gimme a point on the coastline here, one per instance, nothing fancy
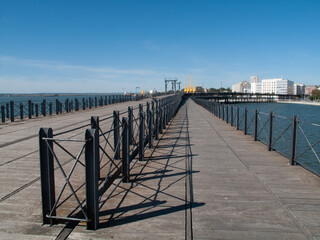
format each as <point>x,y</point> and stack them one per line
<point>301,102</point>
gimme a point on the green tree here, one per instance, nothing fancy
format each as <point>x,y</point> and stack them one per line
<point>315,95</point>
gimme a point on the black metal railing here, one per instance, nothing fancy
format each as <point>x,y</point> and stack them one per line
<point>295,139</point>
<point>13,111</point>
<point>79,170</point>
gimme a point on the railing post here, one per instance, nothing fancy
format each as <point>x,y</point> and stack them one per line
<point>92,177</point>
<point>21,111</point>
<point>270,131</point>
<point>294,140</point>
<point>256,125</point>
<point>125,151</point>
<point>164,124</point>
<point>116,134</point>
<point>150,123</point>
<point>3,114</point>
<point>7,110</point>
<point>238,118</point>
<point>83,104</point>
<point>95,123</point>
<point>148,115</point>
<point>57,106</point>
<point>37,109</point>
<point>44,110</point>
<point>90,102</point>
<point>223,112</point>
<point>66,105</point>
<point>130,125</point>
<point>231,115</point>
<point>141,135</point>
<point>12,111</point>
<point>50,108</point>
<point>157,123</point>
<point>160,119</point>
<point>95,102</point>
<point>245,121</point>
<point>227,114</point>
<point>47,175</point>
<point>29,109</point>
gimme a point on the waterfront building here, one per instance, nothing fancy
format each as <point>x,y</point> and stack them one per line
<point>242,87</point>
<point>256,87</point>
<point>254,79</point>
<point>309,89</point>
<point>298,89</point>
<point>277,86</point>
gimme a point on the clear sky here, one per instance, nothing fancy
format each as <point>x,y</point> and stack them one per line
<point>112,46</point>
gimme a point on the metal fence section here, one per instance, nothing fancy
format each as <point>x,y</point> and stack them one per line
<point>297,140</point>
<point>79,167</point>
<point>12,111</point>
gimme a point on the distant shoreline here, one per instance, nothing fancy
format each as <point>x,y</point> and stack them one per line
<point>301,102</point>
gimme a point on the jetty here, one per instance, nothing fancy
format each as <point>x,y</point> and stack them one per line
<point>198,178</point>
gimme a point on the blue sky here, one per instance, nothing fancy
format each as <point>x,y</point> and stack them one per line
<point>111,46</point>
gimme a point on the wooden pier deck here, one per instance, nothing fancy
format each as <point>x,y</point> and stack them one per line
<point>201,180</point>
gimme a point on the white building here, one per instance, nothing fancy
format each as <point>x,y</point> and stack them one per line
<point>256,87</point>
<point>254,79</point>
<point>242,87</point>
<point>298,89</point>
<point>277,86</point>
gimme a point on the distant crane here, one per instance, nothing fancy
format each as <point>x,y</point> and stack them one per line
<point>174,84</point>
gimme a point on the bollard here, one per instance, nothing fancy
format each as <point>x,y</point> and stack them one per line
<point>256,125</point>
<point>294,140</point>
<point>95,102</point>
<point>125,151</point>
<point>116,134</point>
<point>47,175</point>
<point>76,102</point>
<point>270,131</point>
<point>83,104</point>
<point>92,177</point>
<point>90,102</point>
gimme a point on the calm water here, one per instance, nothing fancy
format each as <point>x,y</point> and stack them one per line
<point>308,129</point>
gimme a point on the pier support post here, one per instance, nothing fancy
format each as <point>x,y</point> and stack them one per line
<point>141,135</point>
<point>270,131</point>
<point>245,121</point>
<point>294,140</point>
<point>125,151</point>
<point>47,175</point>
<point>256,125</point>
<point>92,177</point>
<point>116,134</point>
